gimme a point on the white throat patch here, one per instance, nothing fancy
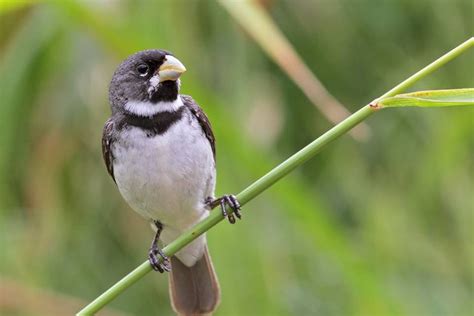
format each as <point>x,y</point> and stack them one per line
<point>153,84</point>
<point>149,109</point>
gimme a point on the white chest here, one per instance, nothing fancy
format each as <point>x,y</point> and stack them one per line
<point>166,177</point>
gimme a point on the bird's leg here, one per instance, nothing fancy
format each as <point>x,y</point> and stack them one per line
<point>230,200</point>
<point>155,251</point>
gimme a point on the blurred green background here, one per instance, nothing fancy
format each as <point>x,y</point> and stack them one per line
<point>381,227</point>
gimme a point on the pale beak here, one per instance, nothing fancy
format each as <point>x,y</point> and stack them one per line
<point>171,69</point>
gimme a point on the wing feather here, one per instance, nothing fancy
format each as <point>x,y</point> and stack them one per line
<point>107,141</point>
<point>202,119</point>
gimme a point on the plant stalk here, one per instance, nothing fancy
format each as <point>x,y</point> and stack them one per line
<point>269,179</point>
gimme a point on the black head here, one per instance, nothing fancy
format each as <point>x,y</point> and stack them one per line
<point>145,78</point>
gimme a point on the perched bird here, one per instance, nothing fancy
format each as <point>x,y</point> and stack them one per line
<point>159,148</point>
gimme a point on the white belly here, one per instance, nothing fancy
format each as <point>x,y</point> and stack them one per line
<point>167,178</point>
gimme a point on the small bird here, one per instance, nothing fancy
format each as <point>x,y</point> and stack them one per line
<point>159,148</point>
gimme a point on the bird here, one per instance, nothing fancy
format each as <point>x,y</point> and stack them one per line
<point>159,148</point>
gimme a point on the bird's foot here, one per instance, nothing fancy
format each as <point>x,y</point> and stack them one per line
<point>155,252</point>
<point>154,256</point>
<point>223,201</point>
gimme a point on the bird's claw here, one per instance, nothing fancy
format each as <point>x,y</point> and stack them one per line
<point>223,201</point>
<point>154,256</point>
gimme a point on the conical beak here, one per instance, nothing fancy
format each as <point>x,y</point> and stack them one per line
<point>171,69</point>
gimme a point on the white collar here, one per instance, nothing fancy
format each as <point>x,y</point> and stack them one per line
<point>149,109</point>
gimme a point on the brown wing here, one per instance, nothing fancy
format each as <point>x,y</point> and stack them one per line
<point>107,140</point>
<point>202,119</point>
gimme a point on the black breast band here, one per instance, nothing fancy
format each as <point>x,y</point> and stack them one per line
<point>153,125</point>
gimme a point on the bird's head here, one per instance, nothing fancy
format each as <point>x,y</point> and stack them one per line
<point>146,83</point>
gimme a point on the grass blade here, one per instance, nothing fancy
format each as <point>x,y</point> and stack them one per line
<point>429,98</point>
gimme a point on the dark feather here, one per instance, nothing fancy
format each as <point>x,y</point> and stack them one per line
<point>202,119</point>
<point>194,290</point>
<point>153,125</point>
<point>107,141</point>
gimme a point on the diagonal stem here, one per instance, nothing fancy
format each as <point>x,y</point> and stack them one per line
<point>269,179</point>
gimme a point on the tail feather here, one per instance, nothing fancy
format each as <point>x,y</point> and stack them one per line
<point>194,290</point>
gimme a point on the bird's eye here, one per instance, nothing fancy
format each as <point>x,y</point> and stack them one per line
<point>143,69</point>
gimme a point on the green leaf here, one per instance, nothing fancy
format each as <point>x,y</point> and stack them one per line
<point>429,98</point>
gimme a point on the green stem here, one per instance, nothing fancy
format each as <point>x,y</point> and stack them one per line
<point>430,68</point>
<point>268,180</point>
